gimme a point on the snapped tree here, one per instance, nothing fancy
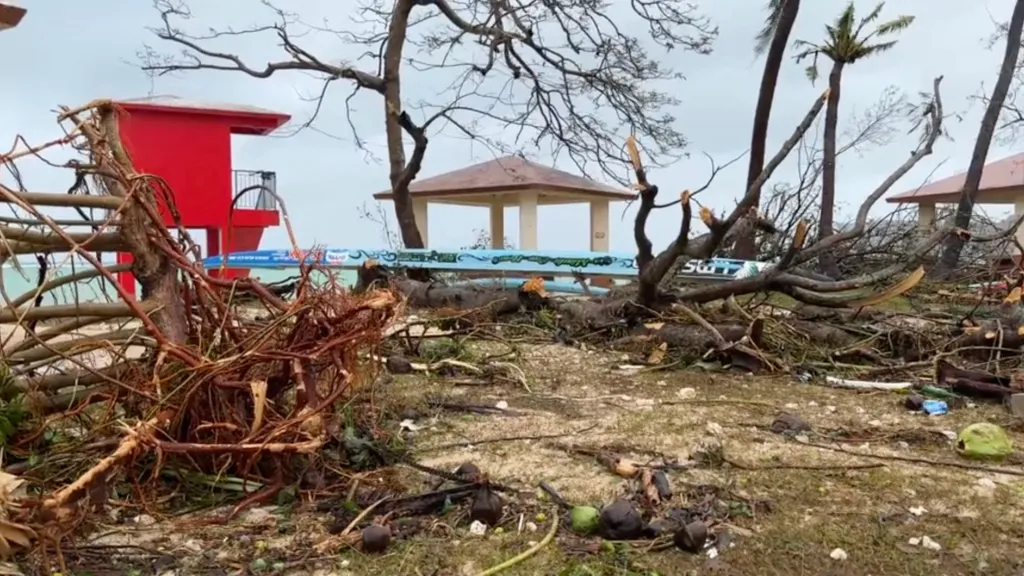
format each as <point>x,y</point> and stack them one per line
<point>568,74</point>
<point>655,267</point>
<point>953,245</point>
<point>846,42</point>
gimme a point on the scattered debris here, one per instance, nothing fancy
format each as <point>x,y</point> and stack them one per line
<point>838,554</point>
<point>984,440</point>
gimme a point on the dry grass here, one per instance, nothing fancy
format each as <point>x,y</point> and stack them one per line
<point>977,517</point>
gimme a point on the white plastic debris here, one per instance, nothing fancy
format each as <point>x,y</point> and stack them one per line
<point>501,405</point>
<point>839,554</point>
<point>408,426</point>
<point>712,553</point>
<point>686,393</point>
<point>914,541</point>
<point>867,384</point>
<point>916,510</point>
<point>930,544</point>
<point>477,528</point>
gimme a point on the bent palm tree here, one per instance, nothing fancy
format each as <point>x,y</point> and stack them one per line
<point>969,193</point>
<point>773,38</point>
<point>846,42</point>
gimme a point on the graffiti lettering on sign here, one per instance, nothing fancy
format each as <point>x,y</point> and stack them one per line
<point>309,256</point>
<point>432,257</point>
<point>708,268</point>
<point>561,261</point>
<point>335,256</point>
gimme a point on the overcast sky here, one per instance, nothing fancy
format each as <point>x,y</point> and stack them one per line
<point>69,53</point>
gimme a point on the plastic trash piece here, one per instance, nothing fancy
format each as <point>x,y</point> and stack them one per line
<point>984,440</point>
<point>934,407</point>
<point>935,392</point>
<point>867,384</point>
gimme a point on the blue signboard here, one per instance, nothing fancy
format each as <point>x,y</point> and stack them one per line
<point>542,262</point>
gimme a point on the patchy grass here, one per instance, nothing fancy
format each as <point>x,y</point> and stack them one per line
<point>823,499</point>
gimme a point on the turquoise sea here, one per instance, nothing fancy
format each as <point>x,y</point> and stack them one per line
<point>17,281</point>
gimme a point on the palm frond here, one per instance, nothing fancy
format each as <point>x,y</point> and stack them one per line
<point>898,24</point>
<point>771,24</point>
<point>812,73</point>
<point>845,41</point>
<point>805,49</point>
<point>872,49</point>
<point>844,23</point>
<point>872,16</point>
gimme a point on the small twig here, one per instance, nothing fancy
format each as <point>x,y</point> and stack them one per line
<point>366,512</point>
<point>507,439</point>
<point>527,554</point>
<point>754,467</point>
<point>918,460</point>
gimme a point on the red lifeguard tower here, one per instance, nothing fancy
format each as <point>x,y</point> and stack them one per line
<point>188,144</point>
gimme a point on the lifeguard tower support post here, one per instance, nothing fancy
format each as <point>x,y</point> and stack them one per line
<point>188,145</point>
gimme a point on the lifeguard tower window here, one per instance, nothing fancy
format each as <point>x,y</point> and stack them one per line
<point>255,189</point>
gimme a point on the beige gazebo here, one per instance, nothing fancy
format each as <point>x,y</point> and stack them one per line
<point>514,181</point>
<point>11,13</point>
<point>1002,182</point>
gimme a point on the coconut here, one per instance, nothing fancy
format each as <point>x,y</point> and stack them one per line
<point>621,521</point>
<point>486,507</point>
<point>584,519</point>
<point>691,538</point>
<point>376,538</point>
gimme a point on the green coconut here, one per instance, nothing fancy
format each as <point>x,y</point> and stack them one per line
<point>584,519</point>
<point>984,440</point>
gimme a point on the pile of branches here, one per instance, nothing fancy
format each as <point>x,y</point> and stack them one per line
<point>181,378</point>
<point>787,275</point>
<point>655,309</point>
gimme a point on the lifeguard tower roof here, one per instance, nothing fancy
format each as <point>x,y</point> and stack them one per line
<point>11,13</point>
<point>251,120</point>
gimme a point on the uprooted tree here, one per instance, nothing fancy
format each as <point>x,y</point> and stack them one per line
<point>565,73</point>
<point>179,381</point>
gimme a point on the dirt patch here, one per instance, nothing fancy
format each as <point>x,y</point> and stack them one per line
<point>851,484</point>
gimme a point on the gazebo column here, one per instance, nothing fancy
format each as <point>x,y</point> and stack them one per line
<point>599,242</point>
<point>926,218</point>
<point>497,224</point>
<point>599,224</point>
<point>528,221</point>
<point>419,212</point>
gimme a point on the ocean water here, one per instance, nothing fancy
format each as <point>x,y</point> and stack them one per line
<point>17,281</point>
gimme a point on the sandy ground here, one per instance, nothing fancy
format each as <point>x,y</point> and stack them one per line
<point>95,355</point>
<point>858,495</point>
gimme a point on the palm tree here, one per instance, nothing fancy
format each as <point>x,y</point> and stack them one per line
<point>845,43</point>
<point>773,38</point>
<point>953,245</point>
